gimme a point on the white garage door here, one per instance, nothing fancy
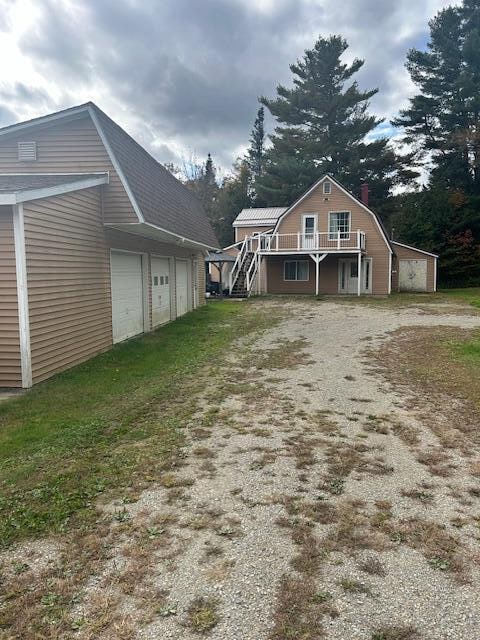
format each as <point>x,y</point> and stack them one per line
<point>181,286</point>
<point>127,295</point>
<point>160,291</point>
<point>413,275</point>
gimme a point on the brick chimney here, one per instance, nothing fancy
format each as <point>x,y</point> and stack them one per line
<point>364,193</point>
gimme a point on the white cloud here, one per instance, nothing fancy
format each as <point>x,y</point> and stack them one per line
<point>183,77</point>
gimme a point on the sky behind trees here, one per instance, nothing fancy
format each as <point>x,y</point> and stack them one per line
<point>182,76</point>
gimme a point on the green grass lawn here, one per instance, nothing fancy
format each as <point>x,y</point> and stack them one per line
<point>106,425</point>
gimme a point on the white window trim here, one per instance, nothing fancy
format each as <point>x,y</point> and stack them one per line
<point>315,218</point>
<point>296,279</point>
<point>348,261</point>
<point>330,213</point>
<point>364,289</point>
<point>328,184</point>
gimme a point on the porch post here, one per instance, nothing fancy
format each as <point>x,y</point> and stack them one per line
<point>259,284</point>
<point>359,279</point>
<point>317,273</point>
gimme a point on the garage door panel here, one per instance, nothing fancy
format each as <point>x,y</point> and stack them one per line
<point>412,275</point>
<point>161,294</point>
<point>127,295</point>
<point>181,286</point>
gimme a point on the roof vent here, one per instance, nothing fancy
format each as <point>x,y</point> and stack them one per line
<point>27,151</point>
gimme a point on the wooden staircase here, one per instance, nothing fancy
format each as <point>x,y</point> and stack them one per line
<point>239,287</point>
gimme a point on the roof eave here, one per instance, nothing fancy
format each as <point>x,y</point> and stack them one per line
<point>25,195</point>
<point>140,228</point>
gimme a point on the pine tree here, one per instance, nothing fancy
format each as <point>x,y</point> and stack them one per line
<point>443,119</point>
<point>442,123</point>
<point>233,196</point>
<point>256,151</point>
<point>323,124</point>
<point>203,182</point>
<point>255,156</point>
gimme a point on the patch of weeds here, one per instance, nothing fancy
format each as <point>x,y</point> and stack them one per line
<point>296,616</point>
<point>406,432</point>
<point>122,516</point>
<point>354,586</point>
<point>154,532</point>
<point>172,480</point>
<point>334,486</point>
<point>202,615</point>
<point>376,424</point>
<point>20,567</point>
<point>168,611</point>
<point>440,564</point>
<point>425,497</point>
<point>200,433</point>
<point>261,432</point>
<point>204,452</point>
<point>436,460</point>
<point>322,596</point>
<point>302,449</point>
<point>372,566</point>
<point>395,633</point>
<point>434,542</point>
<point>288,354</point>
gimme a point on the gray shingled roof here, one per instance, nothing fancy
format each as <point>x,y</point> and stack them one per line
<point>27,182</point>
<point>163,200</point>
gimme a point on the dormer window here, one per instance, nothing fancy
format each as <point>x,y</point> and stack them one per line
<point>327,188</point>
<point>27,151</point>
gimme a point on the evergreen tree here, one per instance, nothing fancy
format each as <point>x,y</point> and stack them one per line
<point>255,157</point>
<point>256,151</point>
<point>323,124</point>
<point>203,182</point>
<point>443,119</point>
<point>442,123</point>
<point>234,195</point>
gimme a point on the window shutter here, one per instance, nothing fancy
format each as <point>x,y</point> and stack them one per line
<point>27,151</point>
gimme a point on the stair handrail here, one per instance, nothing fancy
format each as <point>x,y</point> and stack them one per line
<point>251,272</point>
<point>237,264</point>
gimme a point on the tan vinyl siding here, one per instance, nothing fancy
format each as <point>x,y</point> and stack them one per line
<point>201,279</point>
<point>242,232</point>
<point>10,364</point>
<point>320,205</point>
<point>407,253</point>
<point>275,276</point>
<point>68,272</point>
<point>131,242</point>
<point>69,146</point>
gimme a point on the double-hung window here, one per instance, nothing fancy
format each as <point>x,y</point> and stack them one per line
<point>339,222</point>
<point>296,270</point>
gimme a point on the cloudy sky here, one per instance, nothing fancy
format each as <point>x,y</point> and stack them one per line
<point>183,76</point>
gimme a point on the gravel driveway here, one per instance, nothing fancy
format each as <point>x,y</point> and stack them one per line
<point>298,392</point>
<point>306,505</point>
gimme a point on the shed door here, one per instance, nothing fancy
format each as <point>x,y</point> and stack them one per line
<point>127,295</point>
<point>160,291</point>
<point>412,275</point>
<point>181,286</point>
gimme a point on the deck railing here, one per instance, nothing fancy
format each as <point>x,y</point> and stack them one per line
<point>304,242</point>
